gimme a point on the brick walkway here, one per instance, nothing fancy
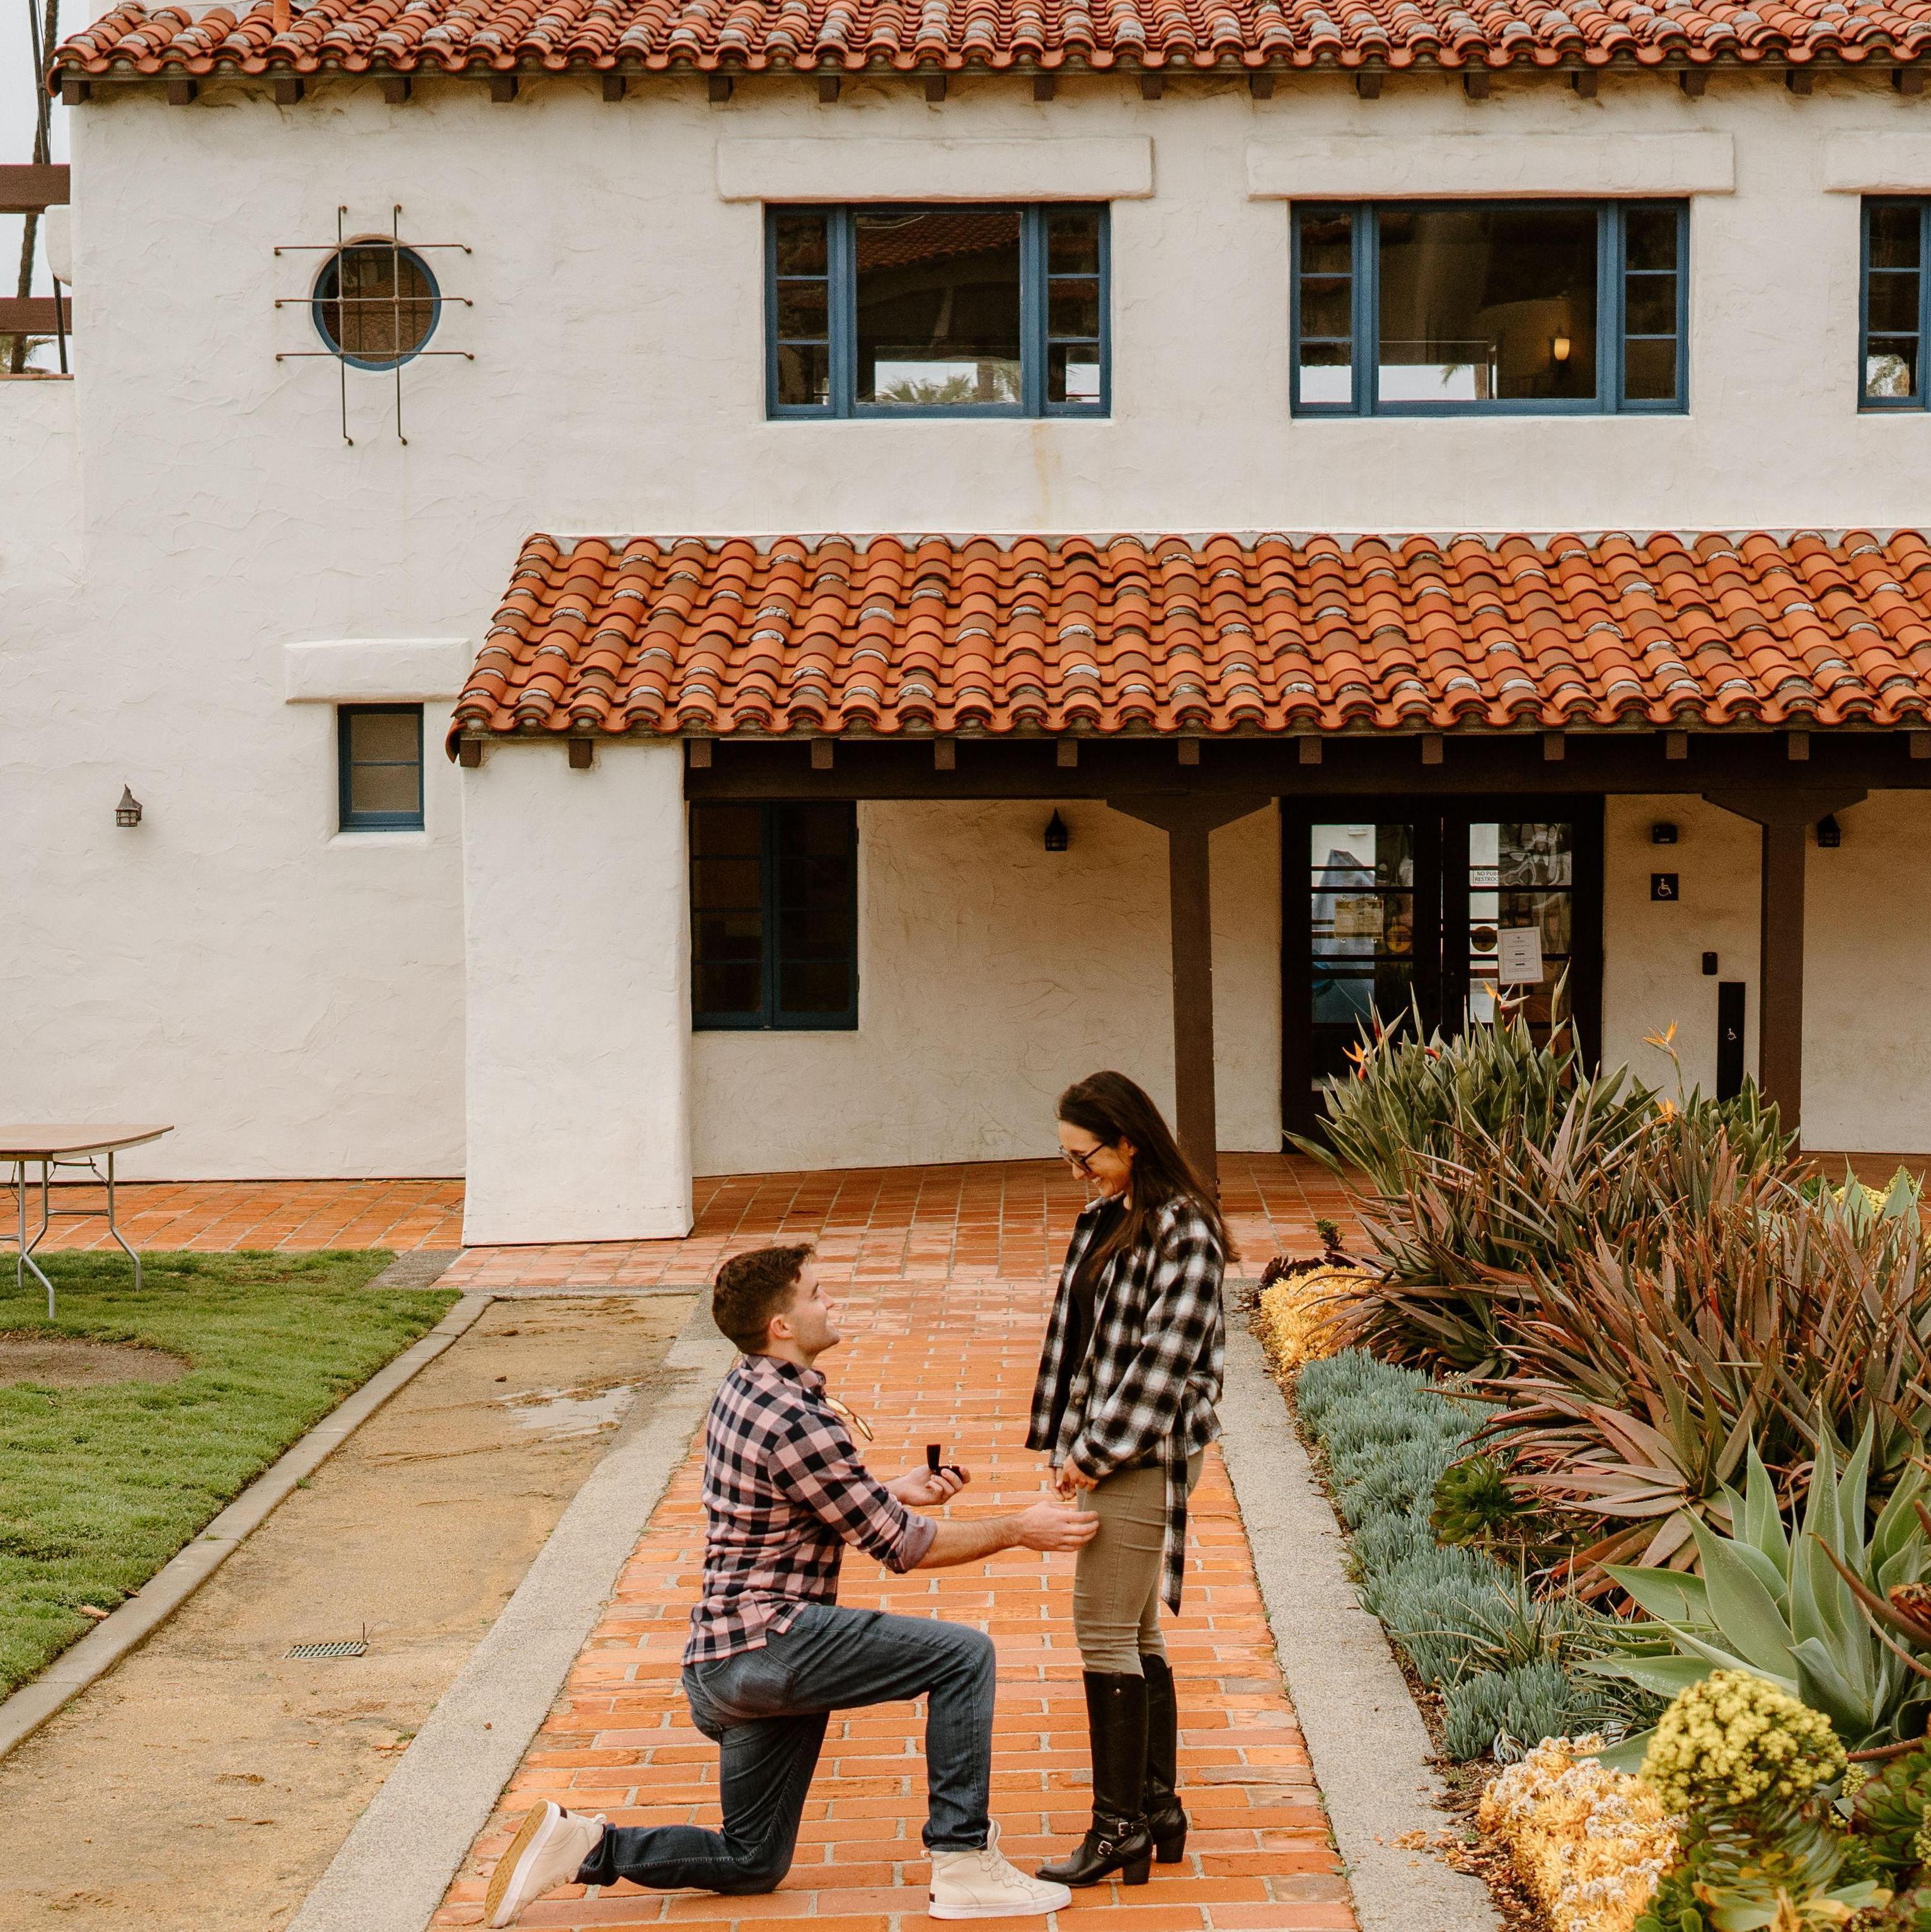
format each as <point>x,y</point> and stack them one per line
<point>990,1220</point>
<point>943,1299</point>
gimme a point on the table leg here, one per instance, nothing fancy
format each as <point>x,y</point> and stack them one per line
<point>113,1229</point>
<point>24,1254</point>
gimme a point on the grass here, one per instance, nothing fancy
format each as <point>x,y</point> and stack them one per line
<point>100,1487</point>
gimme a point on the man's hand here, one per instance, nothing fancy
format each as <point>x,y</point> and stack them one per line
<point>1048,1525</point>
<point>929,1489</point>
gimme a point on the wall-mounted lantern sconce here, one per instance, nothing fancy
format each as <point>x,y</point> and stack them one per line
<point>1829,833</point>
<point>128,811</point>
<point>1057,834</point>
<point>1559,348</point>
<point>1662,833</point>
<point>1709,965</point>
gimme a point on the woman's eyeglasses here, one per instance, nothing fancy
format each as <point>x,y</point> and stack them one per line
<point>1080,1163</point>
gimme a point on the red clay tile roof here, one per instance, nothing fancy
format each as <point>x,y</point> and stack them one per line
<point>1266,634</point>
<point>649,36</point>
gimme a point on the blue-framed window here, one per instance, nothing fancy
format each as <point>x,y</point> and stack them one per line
<point>376,304</point>
<point>890,310</point>
<point>774,915</point>
<point>379,760</point>
<point>1894,310</point>
<point>1521,308</point>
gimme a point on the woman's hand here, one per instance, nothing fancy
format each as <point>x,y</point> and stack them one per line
<point>928,1488</point>
<point>1068,1479</point>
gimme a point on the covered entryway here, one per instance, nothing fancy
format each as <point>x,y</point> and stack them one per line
<point>1478,711</point>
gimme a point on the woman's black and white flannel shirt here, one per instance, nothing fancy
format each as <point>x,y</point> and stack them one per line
<point>1149,1385</point>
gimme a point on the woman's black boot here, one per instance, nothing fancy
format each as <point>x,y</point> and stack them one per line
<point>1166,1822</point>
<point>1116,1721</point>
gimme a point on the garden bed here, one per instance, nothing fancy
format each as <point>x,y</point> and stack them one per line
<point>104,1477</point>
<point>1625,1410</point>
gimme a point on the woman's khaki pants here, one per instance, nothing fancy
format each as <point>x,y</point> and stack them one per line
<point>1117,1581</point>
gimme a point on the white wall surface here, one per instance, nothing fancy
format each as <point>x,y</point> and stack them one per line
<point>577,920</point>
<point>992,973</point>
<point>1867,969</point>
<point>1653,950</point>
<point>1867,981</point>
<point>188,506</point>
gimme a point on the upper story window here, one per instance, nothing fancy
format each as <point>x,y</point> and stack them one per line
<point>1442,308</point>
<point>1896,294</point>
<point>376,304</point>
<point>937,311</point>
<point>774,915</point>
<point>379,749</point>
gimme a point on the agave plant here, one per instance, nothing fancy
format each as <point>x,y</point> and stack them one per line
<point>1791,1608</point>
<point>1747,1314</point>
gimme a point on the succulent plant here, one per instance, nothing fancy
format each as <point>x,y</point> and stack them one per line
<point>1736,1742</point>
<point>1787,1881</point>
<point>1888,1812</point>
<point>1794,1608</point>
<point>1472,1500</point>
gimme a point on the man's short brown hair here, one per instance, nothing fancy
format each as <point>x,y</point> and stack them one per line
<point>753,1287</point>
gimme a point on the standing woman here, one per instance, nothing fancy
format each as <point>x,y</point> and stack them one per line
<point>1124,1406</point>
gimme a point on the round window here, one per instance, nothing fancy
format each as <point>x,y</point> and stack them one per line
<point>376,304</point>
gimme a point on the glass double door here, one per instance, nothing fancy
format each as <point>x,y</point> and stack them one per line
<point>1391,909</point>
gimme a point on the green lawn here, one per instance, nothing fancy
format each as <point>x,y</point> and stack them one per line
<point>100,1487</point>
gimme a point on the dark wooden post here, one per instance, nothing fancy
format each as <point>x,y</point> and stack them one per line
<point>1187,818</point>
<point>1786,819</point>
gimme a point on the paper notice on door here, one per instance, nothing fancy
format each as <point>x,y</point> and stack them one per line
<point>1358,918</point>
<point>1519,955</point>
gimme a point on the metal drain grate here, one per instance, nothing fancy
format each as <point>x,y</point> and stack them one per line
<point>348,1647</point>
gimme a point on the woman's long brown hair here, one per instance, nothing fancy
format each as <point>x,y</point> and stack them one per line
<point>1113,1108</point>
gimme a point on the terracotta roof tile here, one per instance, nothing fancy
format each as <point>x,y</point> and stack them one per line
<point>751,36</point>
<point>1268,634</point>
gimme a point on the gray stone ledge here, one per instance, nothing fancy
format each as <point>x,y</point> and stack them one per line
<point>1370,1749</point>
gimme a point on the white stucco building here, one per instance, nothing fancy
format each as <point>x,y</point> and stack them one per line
<point>801,453</point>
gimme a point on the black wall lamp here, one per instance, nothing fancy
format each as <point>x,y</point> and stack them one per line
<point>1829,833</point>
<point>1057,835</point>
<point>128,811</point>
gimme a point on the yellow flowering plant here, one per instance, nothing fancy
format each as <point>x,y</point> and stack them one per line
<point>1734,1741</point>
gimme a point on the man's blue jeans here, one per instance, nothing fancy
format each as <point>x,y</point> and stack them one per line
<point>766,1710</point>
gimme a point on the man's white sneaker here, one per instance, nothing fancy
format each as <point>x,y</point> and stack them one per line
<point>548,1846</point>
<point>981,1885</point>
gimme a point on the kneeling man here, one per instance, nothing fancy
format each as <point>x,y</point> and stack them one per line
<point>772,1654</point>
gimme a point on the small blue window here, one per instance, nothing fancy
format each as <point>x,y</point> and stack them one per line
<point>774,915</point>
<point>376,305</point>
<point>896,311</point>
<point>1498,308</point>
<point>379,765</point>
<point>1896,292</point>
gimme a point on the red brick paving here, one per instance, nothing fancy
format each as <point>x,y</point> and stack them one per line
<point>941,1284</point>
<point>216,1217</point>
<point>992,1219</point>
<point>987,1221</point>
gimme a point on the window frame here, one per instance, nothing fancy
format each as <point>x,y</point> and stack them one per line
<point>1868,404</point>
<point>769,1017</point>
<point>841,404</point>
<point>318,301</point>
<point>1611,270</point>
<point>347,818</point>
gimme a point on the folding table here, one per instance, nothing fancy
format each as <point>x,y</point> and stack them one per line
<point>65,1146</point>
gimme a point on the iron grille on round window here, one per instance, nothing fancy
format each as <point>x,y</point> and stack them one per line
<point>376,304</point>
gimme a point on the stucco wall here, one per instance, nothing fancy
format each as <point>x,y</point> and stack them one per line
<point>1653,950</point>
<point>1867,978</point>
<point>294,999</point>
<point>576,916</point>
<point>992,973</point>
